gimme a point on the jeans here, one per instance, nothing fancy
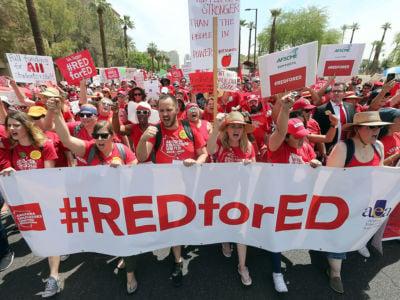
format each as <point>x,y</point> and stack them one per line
<point>340,255</point>
<point>275,258</point>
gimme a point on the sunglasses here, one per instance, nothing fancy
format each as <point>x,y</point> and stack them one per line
<point>103,136</point>
<point>121,96</point>
<point>137,94</point>
<point>106,104</point>
<point>142,112</point>
<point>374,127</point>
<point>256,81</point>
<point>37,118</point>
<point>96,99</point>
<point>85,115</point>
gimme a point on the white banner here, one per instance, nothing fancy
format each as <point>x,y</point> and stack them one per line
<point>227,81</point>
<point>341,60</point>
<point>152,89</point>
<point>201,15</point>
<point>141,208</point>
<point>288,70</point>
<point>31,68</point>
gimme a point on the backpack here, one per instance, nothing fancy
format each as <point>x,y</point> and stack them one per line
<point>350,149</point>
<point>157,144</point>
<point>120,148</point>
<point>77,129</point>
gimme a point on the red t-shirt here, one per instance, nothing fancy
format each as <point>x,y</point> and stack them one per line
<point>136,135</point>
<point>207,116</point>
<point>176,145</point>
<point>314,128</point>
<point>392,145</point>
<point>234,100</point>
<point>82,134</point>
<point>289,155</point>
<point>261,126</point>
<point>30,157</point>
<point>115,155</point>
<point>233,154</point>
<point>105,118</point>
<point>61,161</point>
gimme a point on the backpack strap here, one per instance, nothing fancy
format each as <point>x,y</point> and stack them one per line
<point>349,151</point>
<point>121,150</point>
<point>91,154</point>
<point>77,129</point>
<point>157,143</point>
<point>378,150</point>
<point>188,129</point>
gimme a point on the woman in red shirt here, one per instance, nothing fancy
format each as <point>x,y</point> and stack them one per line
<point>368,151</point>
<point>233,146</point>
<point>30,149</point>
<point>390,135</point>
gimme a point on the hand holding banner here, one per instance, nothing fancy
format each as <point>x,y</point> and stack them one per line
<point>77,66</point>
<point>288,70</point>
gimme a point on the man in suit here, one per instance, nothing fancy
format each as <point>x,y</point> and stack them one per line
<point>344,111</point>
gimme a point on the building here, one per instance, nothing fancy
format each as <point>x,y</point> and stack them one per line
<point>187,59</point>
<point>173,57</point>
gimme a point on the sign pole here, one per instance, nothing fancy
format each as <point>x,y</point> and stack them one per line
<point>215,64</point>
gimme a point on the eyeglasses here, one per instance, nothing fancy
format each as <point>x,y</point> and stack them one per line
<point>337,91</point>
<point>103,136</point>
<point>142,112</point>
<point>256,81</point>
<point>121,96</point>
<point>137,94</point>
<point>37,118</point>
<point>193,109</point>
<point>106,104</point>
<point>85,115</point>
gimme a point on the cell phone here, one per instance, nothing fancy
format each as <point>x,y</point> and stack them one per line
<point>390,77</point>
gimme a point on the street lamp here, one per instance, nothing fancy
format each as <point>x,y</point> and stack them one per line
<point>255,36</point>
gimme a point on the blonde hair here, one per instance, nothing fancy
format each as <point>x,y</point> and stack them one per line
<point>244,142</point>
<point>35,133</point>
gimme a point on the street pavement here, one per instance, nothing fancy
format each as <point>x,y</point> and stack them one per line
<point>208,275</point>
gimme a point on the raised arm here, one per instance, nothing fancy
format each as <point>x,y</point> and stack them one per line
<point>212,146</point>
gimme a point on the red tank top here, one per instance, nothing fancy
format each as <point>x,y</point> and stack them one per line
<point>375,161</point>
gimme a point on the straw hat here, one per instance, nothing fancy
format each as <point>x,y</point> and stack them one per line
<point>368,118</point>
<point>236,117</point>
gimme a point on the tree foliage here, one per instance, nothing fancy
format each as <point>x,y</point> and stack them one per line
<point>297,27</point>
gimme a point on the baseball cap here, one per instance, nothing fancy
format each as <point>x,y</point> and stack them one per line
<point>302,103</point>
<point>37,111</point>
<point>296,128</point>
<point>176,83</point>
<point>388,114</point>
<point>144,106</point>
<point>252,97</point>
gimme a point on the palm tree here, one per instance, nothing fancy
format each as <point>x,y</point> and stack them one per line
<point>126,21</point>
<point>158,58</point>
<point>250,25</point>
<point>163,59</point>
<point>242,24</point>
<point>344,28</point>
<point>378,48</point>
<point>37,35</point>
<point>167,60</point>
<point>101,6</point>
<point>152,51</point>
<point>274,13</point>
<point>353,27</point>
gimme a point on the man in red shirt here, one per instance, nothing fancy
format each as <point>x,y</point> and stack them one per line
<point>175,144</point>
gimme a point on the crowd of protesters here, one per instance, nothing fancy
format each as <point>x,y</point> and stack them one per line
<point>338,125</point>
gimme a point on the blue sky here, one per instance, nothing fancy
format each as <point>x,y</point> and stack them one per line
<point>166,23</point>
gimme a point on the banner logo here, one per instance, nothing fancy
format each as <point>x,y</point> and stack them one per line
<point>28,217</point>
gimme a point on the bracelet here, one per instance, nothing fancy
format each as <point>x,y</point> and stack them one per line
<point>334,126</point>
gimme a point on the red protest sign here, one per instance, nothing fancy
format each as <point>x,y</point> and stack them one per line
<point>28,217</point>
<point>338,67</point>
<point>202,82</point>
<point>176,74</point>
<point>288,81</point>
<point>77,66</point>
<point>112,73</point>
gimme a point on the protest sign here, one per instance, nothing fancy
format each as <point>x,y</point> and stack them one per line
<point>340,60</point>
<point>77,66</point>
<point>186,70</point>
<point>97,80</point>
<point>31,68</point>
<point>151,88</point>
<point>129,74</point>
<point>176,74</point>
<point>288,70</point>
<point>139,78</point>
<point>202,82</point>
<point>111,73</point>
<point>128,210</point>
<point>201,14</point>
<point>227,81</point>
<point>11,96</point>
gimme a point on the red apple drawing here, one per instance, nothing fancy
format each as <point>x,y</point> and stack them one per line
<point>226,60</point>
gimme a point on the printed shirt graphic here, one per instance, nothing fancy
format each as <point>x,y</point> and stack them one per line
<point>176,145</point>
<point>233,154</point>
<point>289,155</point>
<point>30,157</point>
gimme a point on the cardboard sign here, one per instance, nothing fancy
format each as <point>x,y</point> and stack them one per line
<point>340,60</point>
<point>112,73</point>
<point>77,66</point>
<point>227,81</point>
<point>202,82</point>
<point>288,70</point>
<point>201,33</point>
<point>151,88</point>
<point>31,68</point>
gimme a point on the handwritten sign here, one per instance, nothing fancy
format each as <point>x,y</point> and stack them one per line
<point>202,82</point>
<point>340,59</point>
<point>227,81</point>
<point>112,73</point>
<point>31,68</point>
<point>151,88</point>
<point>11,96</point>
<point>288,70</point>
<point>77,66</point>
<point>201,15</point>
